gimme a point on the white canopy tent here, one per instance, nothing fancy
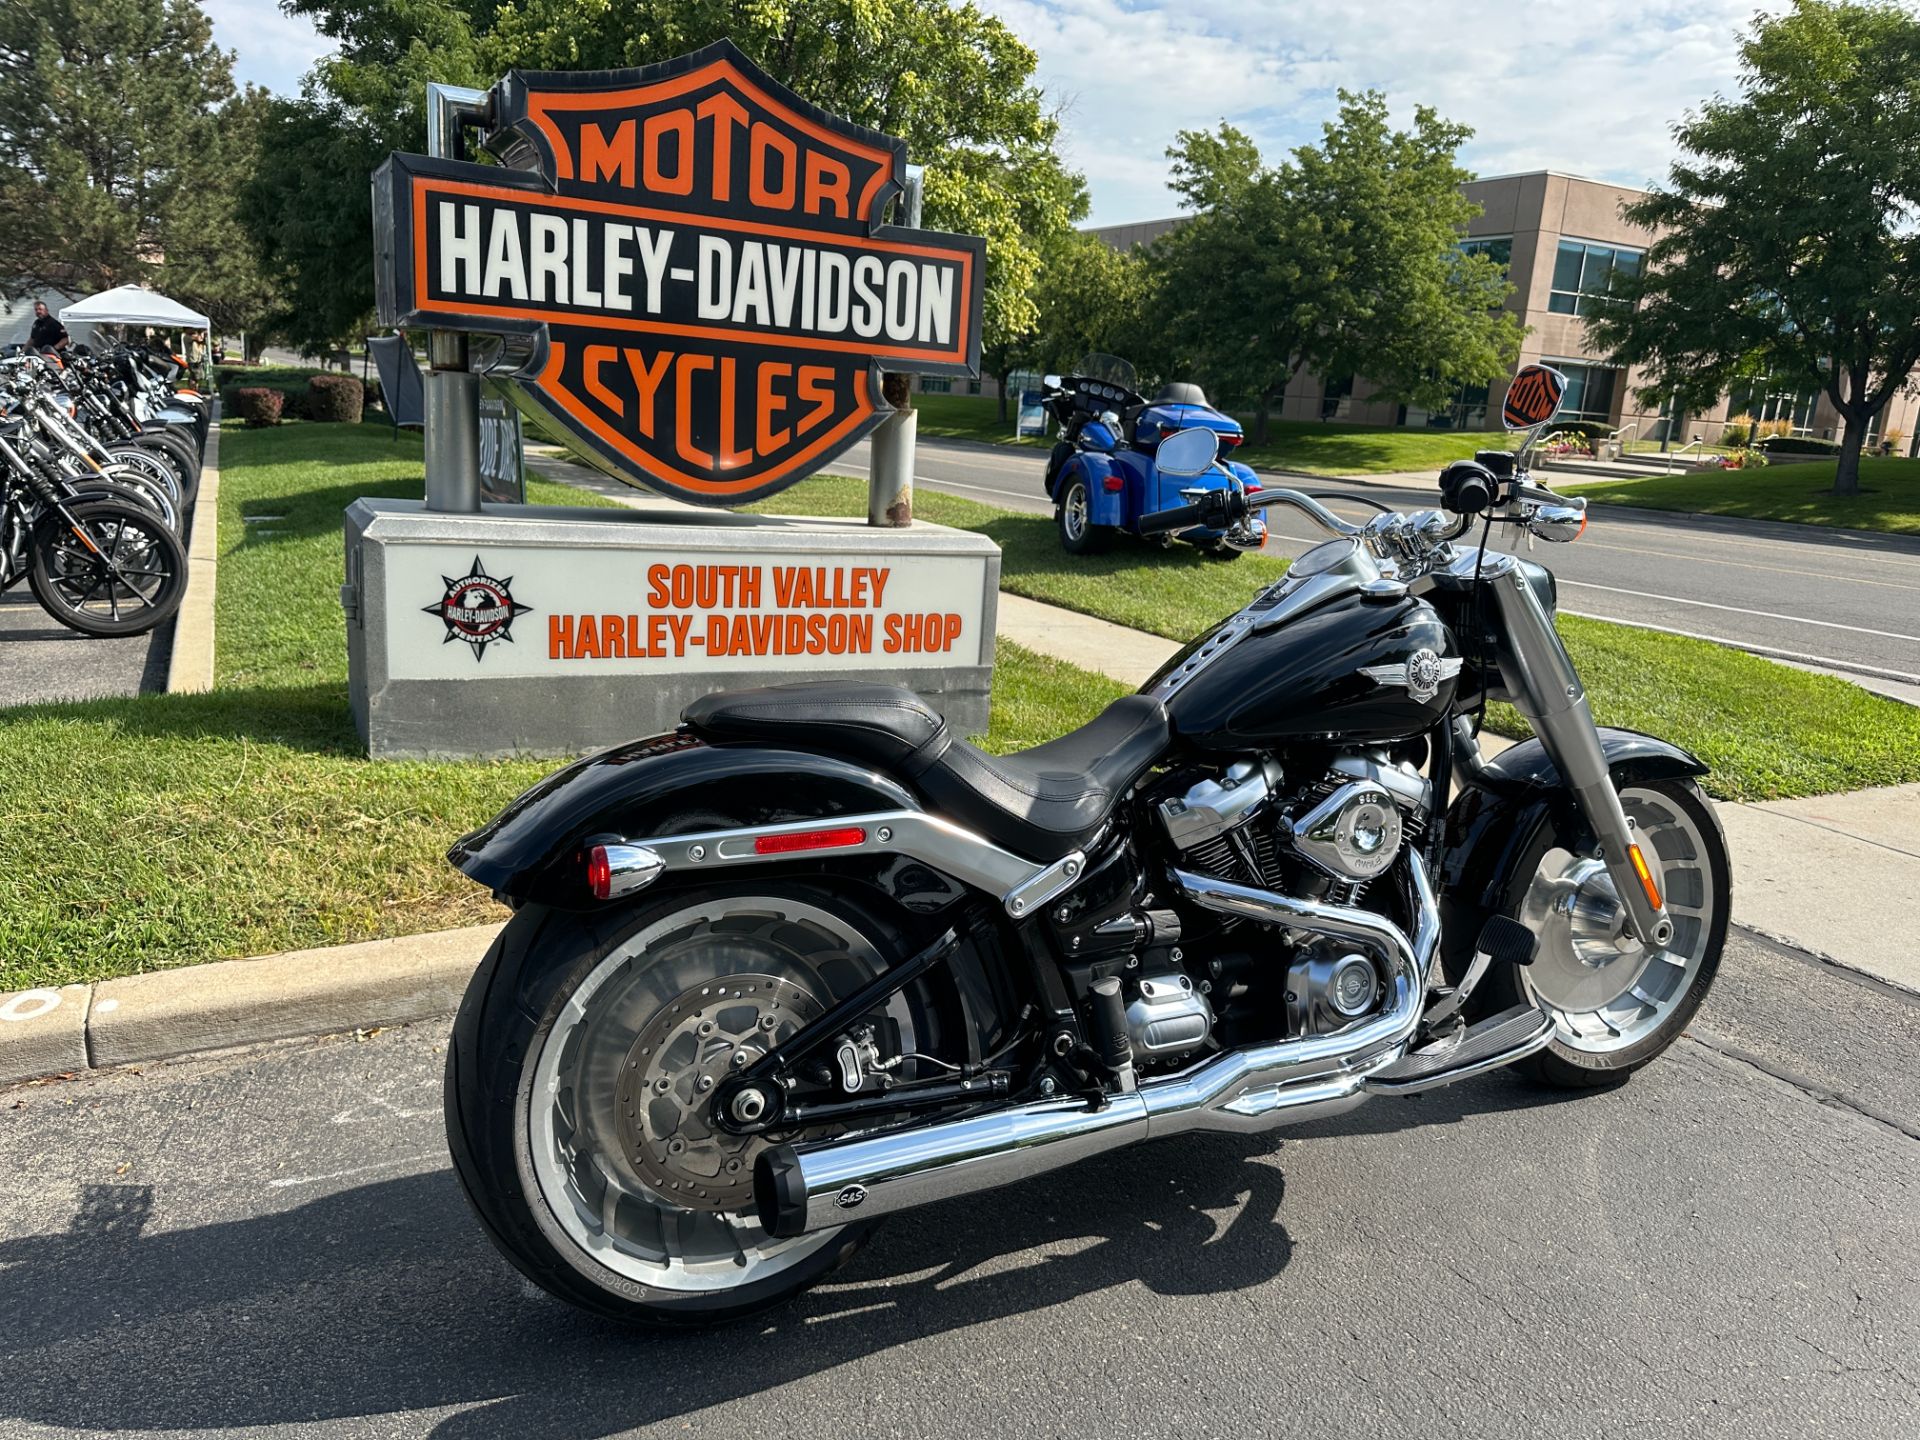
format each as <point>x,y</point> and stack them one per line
<point>134,305</point>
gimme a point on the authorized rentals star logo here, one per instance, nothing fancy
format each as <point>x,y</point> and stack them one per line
<point>478,608</point>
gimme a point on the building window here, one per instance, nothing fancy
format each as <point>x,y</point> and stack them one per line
<point>1498,247</point>
<point>1336,401</point>
<point>1589,391</point>
<point>935,385</point>
<point>1582,272</point>
<point>1770,400</point>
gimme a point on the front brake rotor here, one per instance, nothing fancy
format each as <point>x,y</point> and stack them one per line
<point>667,1082</point>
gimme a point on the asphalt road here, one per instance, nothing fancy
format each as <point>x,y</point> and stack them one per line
<point>1835,600</point>
<point>272,1243</point>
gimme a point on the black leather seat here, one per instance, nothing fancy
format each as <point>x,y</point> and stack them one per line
<point>1040,803</point>
<point>1179,392</point>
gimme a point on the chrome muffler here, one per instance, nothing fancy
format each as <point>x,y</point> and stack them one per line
<point>798,1189</point>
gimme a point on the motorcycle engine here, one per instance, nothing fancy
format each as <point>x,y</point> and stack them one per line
<point>1325,839</point>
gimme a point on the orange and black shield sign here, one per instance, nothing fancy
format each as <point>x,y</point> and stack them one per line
<point>688,263</point>
<point>1534,397</point>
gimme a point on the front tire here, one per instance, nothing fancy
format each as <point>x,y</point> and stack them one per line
<point>599,1178</point>
<point>1074,519</point>
<point>118,571</point>
<point>1616,1011</point>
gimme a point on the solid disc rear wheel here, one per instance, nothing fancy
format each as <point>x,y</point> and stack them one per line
<point>578,1084</point>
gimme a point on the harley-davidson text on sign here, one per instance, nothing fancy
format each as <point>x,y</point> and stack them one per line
<point>694,258</point>
<point>512,611</point>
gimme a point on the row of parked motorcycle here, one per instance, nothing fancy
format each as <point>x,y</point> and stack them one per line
<point>100,456</point>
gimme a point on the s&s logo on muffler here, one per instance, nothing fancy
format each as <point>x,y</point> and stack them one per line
<point>851,1197</point>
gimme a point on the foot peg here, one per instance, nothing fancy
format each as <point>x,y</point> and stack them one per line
<point>1502,939</point>
<point>1498,1040</point>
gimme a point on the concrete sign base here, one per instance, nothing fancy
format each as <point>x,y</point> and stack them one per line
<point>542,631</point>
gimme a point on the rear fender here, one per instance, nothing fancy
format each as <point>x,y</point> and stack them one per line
<point>1104,506</point>
<point>665,785</point>
<point>1494,824</point>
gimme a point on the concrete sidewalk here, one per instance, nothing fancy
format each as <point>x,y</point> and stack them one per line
<point>1816,874</point>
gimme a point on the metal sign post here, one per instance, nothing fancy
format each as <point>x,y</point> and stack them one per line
<point>452,389</point>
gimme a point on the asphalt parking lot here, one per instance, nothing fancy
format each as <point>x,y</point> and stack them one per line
<point>271,1243</point>
<point>40,659</point>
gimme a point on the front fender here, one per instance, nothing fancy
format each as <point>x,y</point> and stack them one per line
<point>667,783</point>
<point>1492,826</point>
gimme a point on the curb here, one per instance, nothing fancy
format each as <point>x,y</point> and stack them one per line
<point>228,1003</point>
<point>190,666</point>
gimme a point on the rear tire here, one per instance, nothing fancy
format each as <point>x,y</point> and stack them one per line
<point>1073,517</point>
<point>533,1094</point>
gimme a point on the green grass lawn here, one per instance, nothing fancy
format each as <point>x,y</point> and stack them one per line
<point>1889,498</point>
<point>1768,731</point>
<point>141,833</point>
<point>1306,445</point>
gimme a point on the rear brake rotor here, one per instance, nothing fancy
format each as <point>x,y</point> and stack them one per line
<point>665,1096</point>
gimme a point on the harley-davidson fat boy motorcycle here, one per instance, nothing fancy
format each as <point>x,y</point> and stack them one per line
<point>812,959</point>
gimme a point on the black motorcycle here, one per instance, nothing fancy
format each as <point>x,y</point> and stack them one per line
<point>813,959</point>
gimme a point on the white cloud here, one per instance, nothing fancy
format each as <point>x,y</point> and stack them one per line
<point>1595,93</point>
<point>271,49</point>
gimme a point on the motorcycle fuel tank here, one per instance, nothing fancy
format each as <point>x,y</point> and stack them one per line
<point>1356,668</point>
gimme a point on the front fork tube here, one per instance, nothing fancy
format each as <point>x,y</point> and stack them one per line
<point>1539,676</point>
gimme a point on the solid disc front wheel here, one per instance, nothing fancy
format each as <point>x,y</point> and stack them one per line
<point>587,1142</point>
<point>1616,1004</point>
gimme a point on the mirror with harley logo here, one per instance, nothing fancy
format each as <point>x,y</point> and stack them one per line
<point>1534,397</point>
<point>1187,452</point>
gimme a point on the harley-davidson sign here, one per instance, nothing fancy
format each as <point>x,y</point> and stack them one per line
<point>693,258</point>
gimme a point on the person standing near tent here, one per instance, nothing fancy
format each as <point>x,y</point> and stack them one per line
<point>48,333</point>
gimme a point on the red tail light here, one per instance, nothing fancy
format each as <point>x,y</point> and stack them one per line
<point>1230,442</point>
<point>599,873</point>
<point>809,840</point>
<point>1113,482</point>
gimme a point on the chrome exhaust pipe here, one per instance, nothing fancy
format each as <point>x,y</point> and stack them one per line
<point>798,1189</point>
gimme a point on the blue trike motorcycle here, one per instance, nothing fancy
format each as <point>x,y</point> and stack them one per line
<point>1103,473</point>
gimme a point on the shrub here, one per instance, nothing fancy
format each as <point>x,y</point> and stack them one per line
<point>1737,432</point>
<point>1773,429</point>
<point>1799,445</point>
<point>338,399</point>
<point>1892,440</point>
<point>258,405</point>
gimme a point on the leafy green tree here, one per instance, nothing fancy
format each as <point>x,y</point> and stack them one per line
<point>1787,244</point>
<point>1342,259</point>
<point>109,138</point>
<point>954,83</point>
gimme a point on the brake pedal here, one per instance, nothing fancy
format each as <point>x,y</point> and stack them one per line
<point>1501,938</point>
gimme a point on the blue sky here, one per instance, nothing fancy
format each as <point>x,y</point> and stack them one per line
<point>1595,95</point>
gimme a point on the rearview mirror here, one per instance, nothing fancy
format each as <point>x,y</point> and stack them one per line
<point>1534,397</point>
<point>1187,452</point>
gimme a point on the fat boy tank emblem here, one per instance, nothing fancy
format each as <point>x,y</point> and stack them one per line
<point>478,608</point>
<point>1421,676</point>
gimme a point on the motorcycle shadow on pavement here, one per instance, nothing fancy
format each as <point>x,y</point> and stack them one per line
<point>385,1298</point>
